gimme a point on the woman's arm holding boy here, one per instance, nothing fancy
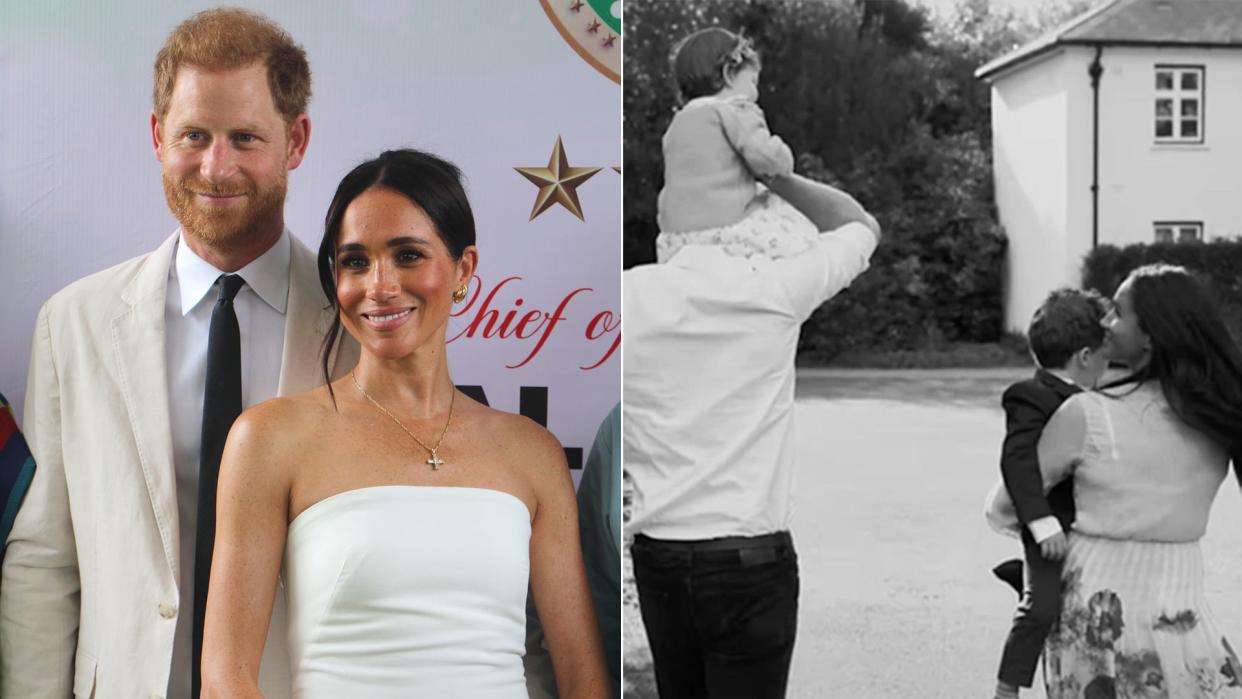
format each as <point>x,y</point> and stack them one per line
<point>1026,414</point>
<point>1061,446</point>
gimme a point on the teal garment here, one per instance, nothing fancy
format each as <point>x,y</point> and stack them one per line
<point>599,524</point>
<point>17,468</point>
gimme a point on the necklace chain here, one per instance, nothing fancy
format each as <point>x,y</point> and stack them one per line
<point>434,461</point>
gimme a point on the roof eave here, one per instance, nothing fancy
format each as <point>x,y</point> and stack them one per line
<point>1043,44</point>
<point>1013,60</point>
<point>1005,64</point>
<point>1155,43</point>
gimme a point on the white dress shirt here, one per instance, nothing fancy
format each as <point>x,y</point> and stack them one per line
<point>260,305</point>
<point>709,383</point>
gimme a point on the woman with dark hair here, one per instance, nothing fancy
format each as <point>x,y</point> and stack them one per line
<point>409,518</point>
<point>1147,454</point>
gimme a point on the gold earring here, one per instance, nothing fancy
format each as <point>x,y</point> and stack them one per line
<point>460,294</point>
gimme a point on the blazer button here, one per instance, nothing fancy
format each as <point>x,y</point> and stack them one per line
<point>168,611</point>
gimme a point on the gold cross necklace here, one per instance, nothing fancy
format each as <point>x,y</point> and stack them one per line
<point>435,462</point>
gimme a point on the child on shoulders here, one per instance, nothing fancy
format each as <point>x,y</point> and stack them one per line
<point>717,152</point>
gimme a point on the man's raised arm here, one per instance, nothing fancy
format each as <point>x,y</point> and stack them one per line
<point>828,207</point>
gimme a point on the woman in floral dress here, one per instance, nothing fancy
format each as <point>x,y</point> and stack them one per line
<point>1147,454</point>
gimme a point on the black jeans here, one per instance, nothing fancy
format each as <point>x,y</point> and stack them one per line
<point>1037,612</point>
<point>720,614</point>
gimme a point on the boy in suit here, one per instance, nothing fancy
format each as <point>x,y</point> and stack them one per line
<point>1066,340</point>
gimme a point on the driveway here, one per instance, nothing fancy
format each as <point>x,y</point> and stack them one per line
<point>897,596</point>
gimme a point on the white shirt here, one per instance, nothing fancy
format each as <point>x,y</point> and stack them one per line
<point>709,383</point>
<point>260,305</point>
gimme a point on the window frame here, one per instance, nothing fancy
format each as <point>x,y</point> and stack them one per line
<point>1175,230</point>
<point>1176,95</point>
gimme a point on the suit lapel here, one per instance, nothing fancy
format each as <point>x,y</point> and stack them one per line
<point>139,355</point>
<point>307,321</point>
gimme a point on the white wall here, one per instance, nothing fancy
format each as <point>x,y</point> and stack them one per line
<point>1142,182</point>
<point>1078,173</point>
<point>1042,148</point>
<point>488,85</point>
<point>1030,167</point>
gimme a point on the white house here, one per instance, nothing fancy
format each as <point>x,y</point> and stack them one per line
<point>1122,126</point>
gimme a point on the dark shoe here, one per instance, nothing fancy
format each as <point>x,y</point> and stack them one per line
<point>1010,572</point>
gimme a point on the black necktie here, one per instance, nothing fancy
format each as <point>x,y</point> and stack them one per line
<point>222,403</point>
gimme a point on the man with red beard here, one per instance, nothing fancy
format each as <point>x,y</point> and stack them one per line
<point>138,371</point>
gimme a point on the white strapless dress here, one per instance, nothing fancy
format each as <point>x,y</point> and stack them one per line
<point>409,591</point>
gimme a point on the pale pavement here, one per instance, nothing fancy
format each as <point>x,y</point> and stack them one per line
<point>897,596</point>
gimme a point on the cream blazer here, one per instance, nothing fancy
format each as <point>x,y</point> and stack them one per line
<point>89,586</point>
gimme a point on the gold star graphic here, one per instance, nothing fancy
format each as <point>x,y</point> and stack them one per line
<point>576,7</point>
<point>612,39</point>
<point>558,182</point>
<point>593,27</point>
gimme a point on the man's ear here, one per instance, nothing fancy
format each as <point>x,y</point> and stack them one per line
<point>157,139</point>
<point>299,139</point>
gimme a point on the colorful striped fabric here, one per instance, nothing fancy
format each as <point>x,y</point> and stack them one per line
<point>16,469</point>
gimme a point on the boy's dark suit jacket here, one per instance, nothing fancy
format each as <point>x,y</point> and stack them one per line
<point>1028,406</point>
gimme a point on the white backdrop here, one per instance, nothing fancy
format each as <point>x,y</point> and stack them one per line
<point>489,85</point>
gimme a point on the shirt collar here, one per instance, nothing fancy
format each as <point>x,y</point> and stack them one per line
<point>267,275</point>
<point>1064,379</point>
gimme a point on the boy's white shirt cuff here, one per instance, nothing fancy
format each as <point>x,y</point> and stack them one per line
<point>1044,528</point>
<point>999,511</point>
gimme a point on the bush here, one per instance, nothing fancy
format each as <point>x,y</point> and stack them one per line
<point>936,278</point>
<point>1217,262</point>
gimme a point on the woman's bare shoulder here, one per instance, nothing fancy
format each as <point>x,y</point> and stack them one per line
<point>283,426</point>
<point>1075,407</point>
<point>291,411</point>
<point>525,442</point>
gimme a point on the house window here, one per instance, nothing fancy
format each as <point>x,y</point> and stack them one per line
<point>1178,231</point>
<point>1179,104</point>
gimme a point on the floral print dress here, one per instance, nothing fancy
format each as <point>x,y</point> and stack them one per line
<point>1134,623</point>
<point>1134,620</point>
